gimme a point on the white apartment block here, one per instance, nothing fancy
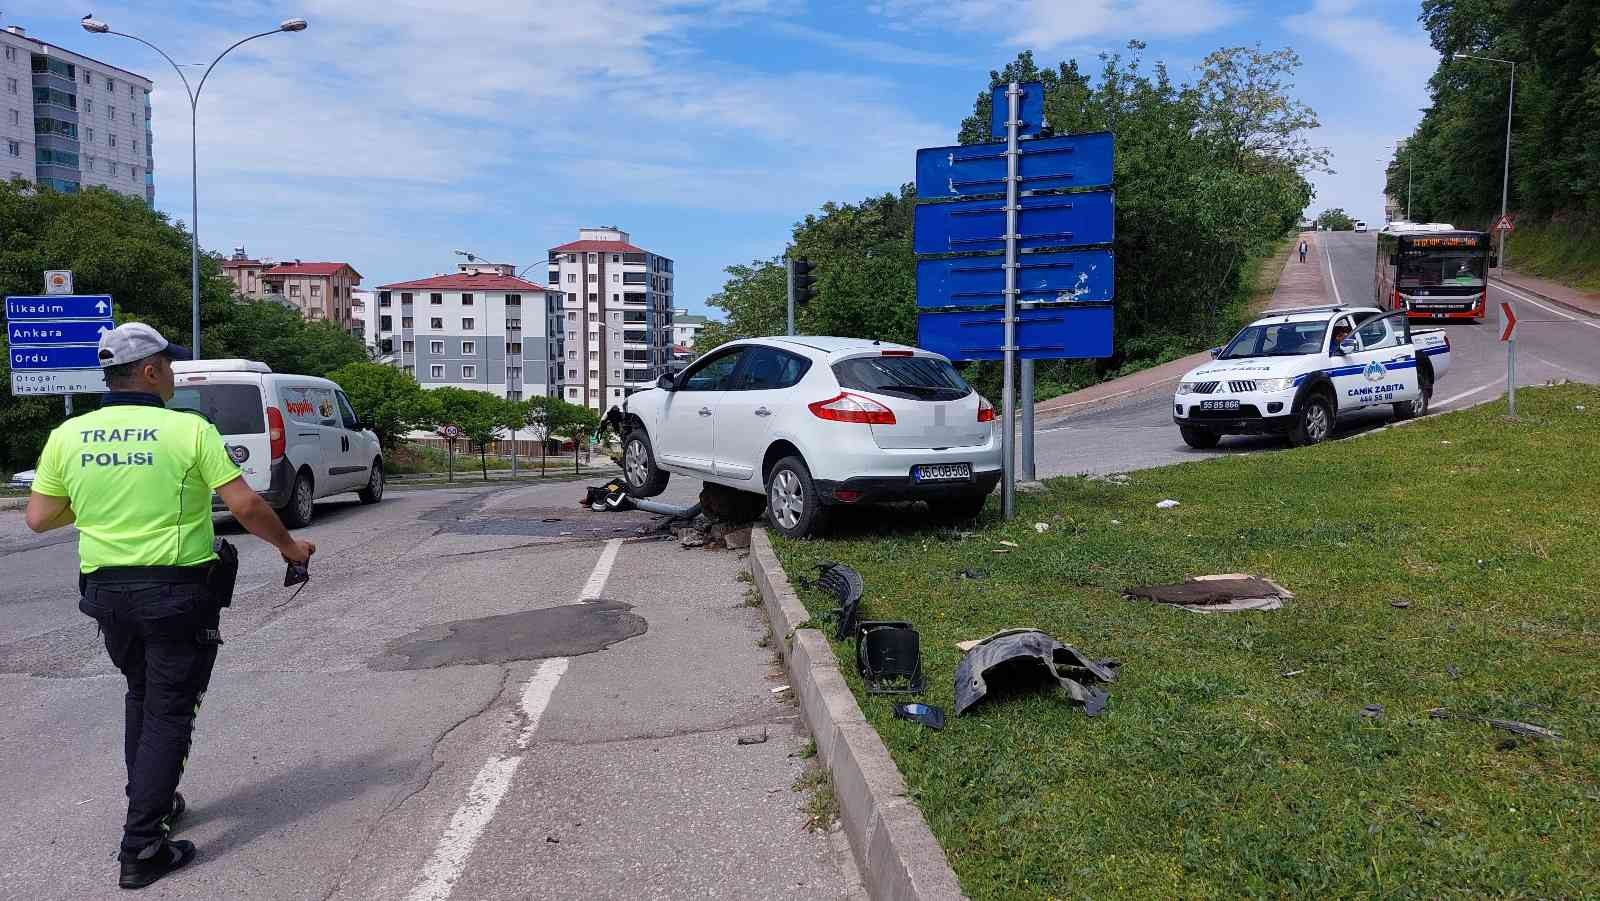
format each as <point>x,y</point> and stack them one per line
<point>615,316</point>
<point>686,329</point>
<point>481,328</point>
<point>70,122</point>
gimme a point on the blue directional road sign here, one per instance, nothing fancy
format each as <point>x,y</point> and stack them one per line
<point>58,307</point>
<point>1071,276</point>
<point>1045,220</point>
<point>1056,332</point>
<point>73,357</point>
<point>1030,111</point>
<point>1069,161</point>
<point>44,334</point>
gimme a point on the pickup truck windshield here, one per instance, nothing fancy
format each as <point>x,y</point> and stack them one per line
<point>1279,339</point>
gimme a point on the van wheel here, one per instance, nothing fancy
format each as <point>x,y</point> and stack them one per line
<point>298,512</point>
<point>374,490</point>
<point>1199,439</point>
<point>1314,423</point>
<point>793,507</point>
<point>639,468</point>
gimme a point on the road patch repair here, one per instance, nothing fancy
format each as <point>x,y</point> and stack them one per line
<point>1344,745</point>
<point>569,630</point>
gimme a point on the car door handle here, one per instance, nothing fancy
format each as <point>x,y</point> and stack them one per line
<point>705,411</point>
<point>763,411</point>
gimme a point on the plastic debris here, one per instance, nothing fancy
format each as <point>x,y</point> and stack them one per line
<point>847,587</point>
<point>1514,726</point>
<point>1019,659</point>
<point>1041,527</point>
<point>932,717</point>
<point>1400,604</point>
<point>1372,711</point>
<point>1224,593</point>
<point>1167,504</point>
<point>889,657</point>
<point>1291,673</point>
<point>1010,544</point>
<point>753,739</point>
<point>780,689</point>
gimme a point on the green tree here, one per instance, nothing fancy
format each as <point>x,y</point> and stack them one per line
<point>278,336</point>
<point>388,400</point>
<point>537,413</point>
<point>1336,220</point>
<point>478,414</point>
<point>582,421</point>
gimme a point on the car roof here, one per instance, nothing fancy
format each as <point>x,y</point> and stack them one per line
<point>1318,314</point>
<point>833,346</point>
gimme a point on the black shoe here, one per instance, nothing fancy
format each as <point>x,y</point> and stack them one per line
<point>179,807</point>
<point>169,856</point>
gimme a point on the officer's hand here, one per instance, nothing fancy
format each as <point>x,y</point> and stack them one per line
<point>299,552</point>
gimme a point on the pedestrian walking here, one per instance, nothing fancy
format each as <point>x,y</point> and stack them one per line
<point>137,478</point>
<point>1303,249</point>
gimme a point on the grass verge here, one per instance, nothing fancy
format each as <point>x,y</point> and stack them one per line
<point>1212,774</point>
<point>1567,251</point>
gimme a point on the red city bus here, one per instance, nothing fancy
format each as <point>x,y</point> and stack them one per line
<point>1433,271</point>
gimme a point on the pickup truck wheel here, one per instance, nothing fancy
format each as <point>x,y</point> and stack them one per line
<point>643,477</point>
<point>1199,439</point>
<point>1412,409</point>
<point>793,507</point>
<point>1314,423</point>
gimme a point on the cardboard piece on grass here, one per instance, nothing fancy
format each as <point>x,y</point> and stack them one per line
<point>1019,659</point>
<point>1223,593</point>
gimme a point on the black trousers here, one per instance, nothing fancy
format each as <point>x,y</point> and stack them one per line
<point>160,628</point>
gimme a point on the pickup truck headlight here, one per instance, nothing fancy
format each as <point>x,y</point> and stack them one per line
<point>1274,385</point>
<point>1186,387</point>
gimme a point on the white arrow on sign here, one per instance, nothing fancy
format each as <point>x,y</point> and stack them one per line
<point>103,330</point>
<point>99,306</point>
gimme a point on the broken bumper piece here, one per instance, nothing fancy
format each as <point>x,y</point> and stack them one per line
<point>1025,659</point>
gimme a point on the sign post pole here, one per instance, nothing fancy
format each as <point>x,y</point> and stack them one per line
<point>1008,436</point>
<point>1025,388</point>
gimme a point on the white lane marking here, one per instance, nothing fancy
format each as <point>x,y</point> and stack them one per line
<point>1332,282</point>
<point>602,571</point>
<point>1563,314</point>
<point>494,779</point>
<point>1478,390</point>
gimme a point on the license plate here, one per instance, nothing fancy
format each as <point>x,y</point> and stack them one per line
<point>942,472</point>
<point>1219,405</point>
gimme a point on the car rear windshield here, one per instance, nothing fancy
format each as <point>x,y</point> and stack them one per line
<point>233,409</point>
<point>921,378</point>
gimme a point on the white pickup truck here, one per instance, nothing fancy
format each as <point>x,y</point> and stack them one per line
<point>1295,372</point>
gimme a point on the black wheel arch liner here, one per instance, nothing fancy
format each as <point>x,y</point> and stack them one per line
<point>1318,382</point>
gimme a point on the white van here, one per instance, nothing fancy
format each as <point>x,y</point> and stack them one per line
<point>1360,226</point>
<point>296,437</point>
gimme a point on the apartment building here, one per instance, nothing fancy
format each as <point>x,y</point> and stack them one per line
<point>70,122</point>
<point>481,328</point>
<point>616,316</point>
<point>686,329</point>
<point>364,319</point>
<point>317,290</point>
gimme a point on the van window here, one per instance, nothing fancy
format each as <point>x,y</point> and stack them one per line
<point>347,414</point>
<point>233,409</point>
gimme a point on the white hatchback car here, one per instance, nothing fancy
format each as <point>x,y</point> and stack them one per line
<point>813,423</point>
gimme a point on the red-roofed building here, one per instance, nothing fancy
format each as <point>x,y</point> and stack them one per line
<point>481,328</point>
<point>616,316</point>
<point>318,290</point>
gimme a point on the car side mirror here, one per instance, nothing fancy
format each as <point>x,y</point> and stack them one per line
<point>1215,352</point>
<point>1348,346</point>
<point>666,383</point>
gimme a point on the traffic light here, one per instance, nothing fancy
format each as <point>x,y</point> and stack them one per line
<point>804,282</point>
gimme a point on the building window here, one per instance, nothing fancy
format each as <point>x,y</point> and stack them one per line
<point>383,298</point>
<point>616,373</point>
<point>572,258</point>
<point>405,322</point>
<point>572,315</point>
<point>16,116</point>
<point>111,113</point>
<point>468,324</point>
<point>405,297</point>
<point>466,300</point>
<point>593,278</point>
<point>411,371</point>
<point>513,323</point>
<point>572,393</point>
<point>385,323</point>
<point>594,356</point>
<point>135,146</point>
<point>87,78</point>
<point>436,323</point>
<point>11,54</point>
<point>593,297</point>
<point>594,258</point>
<point>316,290</point>
<point>513,395</point>
<point>11,85</point>
<point>436,299</point>
<point>514,372</point>
<point>111,83</point>
<point>409,347</point>
<point>515,348</point>
<point>572,373</point>
<point>88,134</point>
<point>616,277</point>
<point>513,300</point>
<point>294,287</point>
<point>469,372</point>
<point>468,348</point>
<point>436,372</point>
<point>132,93</point>
<point>13,148</point>
<point>572,277</point>
<point>111,140</point>
<point>436,348</point>
<point>616,258</point>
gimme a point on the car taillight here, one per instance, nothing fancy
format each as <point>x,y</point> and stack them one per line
<point>985,410</point>
<point>275,433</point>
<point>849,407</point>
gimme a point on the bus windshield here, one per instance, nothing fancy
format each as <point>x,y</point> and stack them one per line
<point>1441,267</point>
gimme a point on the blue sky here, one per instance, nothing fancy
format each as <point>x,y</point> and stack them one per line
<point>394,131</point>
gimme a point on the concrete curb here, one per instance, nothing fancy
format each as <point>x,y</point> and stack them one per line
<point>894,849</point>
<point>1565,305</point>
<point>13,503</point>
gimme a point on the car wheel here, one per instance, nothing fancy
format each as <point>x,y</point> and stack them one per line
<point>374,490</point>
<point>960,508</point>
<point>298,512</point>
<point>1314,423</point>
<point>1199,439</point>
<point>793,507</point>
<point>639,470</point>
<point>1415,408</point>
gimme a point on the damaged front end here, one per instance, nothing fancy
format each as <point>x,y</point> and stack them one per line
<point>1022,659</point>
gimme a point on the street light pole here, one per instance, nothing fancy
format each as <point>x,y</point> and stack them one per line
<point>95,26</point>
<point>1505,175</point>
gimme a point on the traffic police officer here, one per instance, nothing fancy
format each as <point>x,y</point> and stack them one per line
<point>137,480</point>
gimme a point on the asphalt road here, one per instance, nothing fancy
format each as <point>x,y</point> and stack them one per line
<point>1137,431</point>
<point>355,744</point>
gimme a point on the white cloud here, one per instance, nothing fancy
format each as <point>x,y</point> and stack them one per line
<point>1050,24</point>
<point>1405,61</point>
